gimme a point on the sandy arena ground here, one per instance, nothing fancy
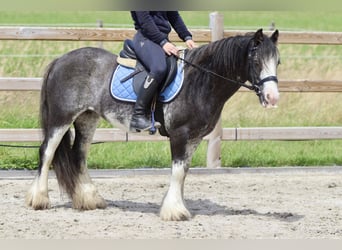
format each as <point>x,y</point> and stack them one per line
<point>289,204</point>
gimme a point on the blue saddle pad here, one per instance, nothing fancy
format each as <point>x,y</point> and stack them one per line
<point>124,91</point>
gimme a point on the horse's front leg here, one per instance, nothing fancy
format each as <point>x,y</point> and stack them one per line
<point>173,207</point>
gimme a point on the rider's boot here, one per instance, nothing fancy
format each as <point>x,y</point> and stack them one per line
<point>140,120</point>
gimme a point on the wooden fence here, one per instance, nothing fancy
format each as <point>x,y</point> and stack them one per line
<point>298,85</point>
<point>117,34</point>
<point>228,134</point>
<point>203,35</point>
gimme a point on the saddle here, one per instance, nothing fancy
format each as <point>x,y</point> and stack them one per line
<point>128,58</point>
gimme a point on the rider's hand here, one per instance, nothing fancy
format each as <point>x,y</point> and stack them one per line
<point>170,49</point>
<point>191,44</point>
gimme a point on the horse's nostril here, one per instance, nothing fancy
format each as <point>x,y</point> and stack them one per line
<point>268,97</point>
<point>271,98</point>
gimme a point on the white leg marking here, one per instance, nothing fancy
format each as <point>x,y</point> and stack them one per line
<point>173,207</point>
<point>86,196</point>
<point>37,196</point>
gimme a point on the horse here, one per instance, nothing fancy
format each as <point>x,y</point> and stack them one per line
<point>75,93</point>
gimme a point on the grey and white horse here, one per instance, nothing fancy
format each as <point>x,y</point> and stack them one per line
<point>75,92</point>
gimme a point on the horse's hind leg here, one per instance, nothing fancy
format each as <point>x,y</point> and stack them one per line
<point>173,207</point>
<point>85,195</point>
<point>37,196</point>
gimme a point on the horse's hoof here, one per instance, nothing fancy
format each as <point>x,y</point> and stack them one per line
<point>176,217</point>
<point>101,203</point>
<point>38,203</point>
<point>89,203</point>
<point>180,215</point>
<point>41,206</point>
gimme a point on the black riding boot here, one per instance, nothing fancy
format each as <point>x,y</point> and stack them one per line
<point>140,120</point>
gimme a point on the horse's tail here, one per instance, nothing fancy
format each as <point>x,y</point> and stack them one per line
<point>64,161</point>
<point>44,111</point>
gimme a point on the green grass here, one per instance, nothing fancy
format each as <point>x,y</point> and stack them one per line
<point>157,155</point>
<point>234,154</point>
<point>328,21</point>
<point>20,109</point>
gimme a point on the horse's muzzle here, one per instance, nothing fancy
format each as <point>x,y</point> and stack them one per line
<point>269,95</point>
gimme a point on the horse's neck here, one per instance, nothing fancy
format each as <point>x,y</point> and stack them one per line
<point>206,89</point>
<point>226,58</point>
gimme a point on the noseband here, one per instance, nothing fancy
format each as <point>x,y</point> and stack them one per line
<point>257,86</point>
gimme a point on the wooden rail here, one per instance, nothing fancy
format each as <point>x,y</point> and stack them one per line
<point>117,34</point>
<point>34,84</point>
<point>228,134</point>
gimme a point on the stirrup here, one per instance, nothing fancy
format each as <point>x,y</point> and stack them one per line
<point>155,124</point>
<point>151,129</point>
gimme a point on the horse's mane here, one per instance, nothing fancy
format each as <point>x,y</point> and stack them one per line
<point>228,55</point>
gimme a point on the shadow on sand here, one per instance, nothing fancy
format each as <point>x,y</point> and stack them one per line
<point>202,207</point>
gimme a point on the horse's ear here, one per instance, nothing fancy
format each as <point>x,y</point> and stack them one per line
<point>274,37</point>
<point>258,37</point>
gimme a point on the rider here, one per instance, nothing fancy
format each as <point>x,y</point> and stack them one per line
<point>151,45</point>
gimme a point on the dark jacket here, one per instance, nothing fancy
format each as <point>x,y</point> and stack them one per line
<point>156,25</point>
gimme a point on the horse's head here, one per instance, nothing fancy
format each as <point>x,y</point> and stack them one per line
<point>263,60</point>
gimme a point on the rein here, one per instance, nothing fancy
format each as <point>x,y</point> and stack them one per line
<point>250,87</point>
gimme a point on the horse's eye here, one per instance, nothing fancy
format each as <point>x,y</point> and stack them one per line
<point>279,62</point>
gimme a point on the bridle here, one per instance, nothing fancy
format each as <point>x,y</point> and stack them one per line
<point>256,81</point>
<point>255,85</point>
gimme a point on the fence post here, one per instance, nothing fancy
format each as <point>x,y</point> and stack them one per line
<point>99,24</point>
<point>214,142</point>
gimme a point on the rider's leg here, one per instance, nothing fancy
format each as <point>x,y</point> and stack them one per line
<point>154,59</point>
<point>140,119</point>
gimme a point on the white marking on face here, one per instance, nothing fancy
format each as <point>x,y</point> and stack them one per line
<point>270,88</point>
